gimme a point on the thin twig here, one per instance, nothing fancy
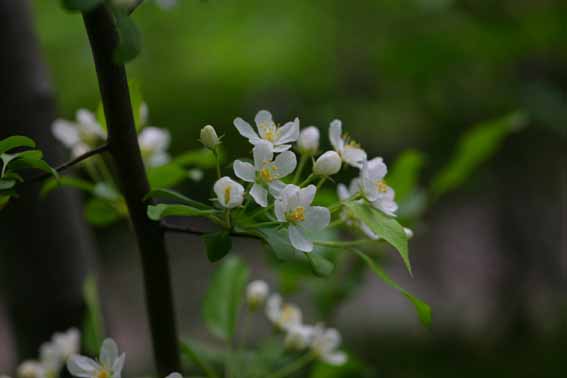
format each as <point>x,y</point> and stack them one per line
<point>71,163</point>
<point>134,6</point>
<point>168,227</point>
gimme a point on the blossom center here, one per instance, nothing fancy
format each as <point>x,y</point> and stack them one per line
<point>227,192</point>
<point>269,131</point>
<point>268,173</point>
<point>288,314</point>
<point>349,142</point>
<point>297,215</point>
<point>381,186</point>
<point>103,373</point>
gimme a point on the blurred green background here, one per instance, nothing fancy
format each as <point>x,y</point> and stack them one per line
<point>400,74</point>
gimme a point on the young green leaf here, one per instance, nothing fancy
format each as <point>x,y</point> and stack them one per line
<point>93,328</point>
<point>320,265</point>
<point>224,296</point>
<point>423,310</point>
<point>100,212</point>
<point>7,184</point>
<point>66,181</point>
<point>218,245</point>
<point>194,355</point>
<point>278,242</point>
<point>166,176</point>
<point>29,161</point>
<point>4,199</point>
<point>157,212</point>
<point>14,142</point>
<point>384,226</point>
<point>404,175</point>
<point>130,38</point>
<point>170,194</point>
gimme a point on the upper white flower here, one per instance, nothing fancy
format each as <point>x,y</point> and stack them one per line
<point>327,164</point>
<point>256,293</point>
<point>230,194</point>
<point>293,206</point>
<point>346,194</point>
<point>348,150</point>
<point>84,133</point>
<point>308,142</point>
<point>284,315</point>
<point>325,343</point>
<point>154,143</point>
<point>266,172</point>
<point>279,137</point>
<point>109,366</point>
<point>299,336</point>
<point>374,187</point>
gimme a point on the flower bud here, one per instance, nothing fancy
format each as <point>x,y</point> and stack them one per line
<point>328,164</point>
<point>256,293</point>
<point>30,369</point>
<point>209,137</point>
<point>408,232</point>
<point>308,142</point>
<point>230,194</point>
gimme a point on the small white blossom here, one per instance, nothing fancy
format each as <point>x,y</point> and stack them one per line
<point>256,293</point>
<point>67,343</point>
<point>30,369</point>
<point>283,315</point>
<point>110,363</point>
<point>293,207</point>
<point>374,187</point>
<point>346,194</point>
<point>408,232</point>
<point>325,343</point>
<point>266,172</point>
<point>327,164</point>
<point>349,151</point>
<point>308,142</point>
<point>209,137</point>
<point>82,134</point>
<point>278,137</point>
<point>299,337</point>
<point>154,143</point>
<point>230,194</point>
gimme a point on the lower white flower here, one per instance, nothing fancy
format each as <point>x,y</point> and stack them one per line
<point>349,151</point>
<point>266,172</point>
<point>284,316</point>
<point>345,195</point>
<point>110,363</point>
<point>375,188</point>
<point>325,343</point>
<point>293,206</point>
<point>299,337</point>
<point>278,137</point>
<point>230,194</point>
<point>31,369</point>
<point>154,143</point>
<point>85,130</point>
<point>256,293</point>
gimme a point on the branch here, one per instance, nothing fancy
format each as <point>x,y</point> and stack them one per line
<point>168,227</point>
<point>71,163</point>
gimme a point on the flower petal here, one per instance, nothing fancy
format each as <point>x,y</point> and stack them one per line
<point>306,195</point>
<point>276,188</point>
<point>263,117</point>
<point>246,130</point>
<point>65,132</point>
<point>335,359</point>
<point>86,117</point>
<point>108,353</point>
<point>244,171</point>
<point>354,156</point>
<point>343,192</point>
<point>285,163</point>
<point>174,375</point>
<point>263,153</point>
<point>279,210</point>
<point>316,218</point>
<point>298,240</point>
<point>289,132</point>
<point>290,194</point>
<point>81,366</point>
<point>282,148</point>
<point>377,169</point>
<point>260,195</point>
<point>335,131</point>
<point>118,365</point>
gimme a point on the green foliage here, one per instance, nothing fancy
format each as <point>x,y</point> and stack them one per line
<point>475,147</point>
<point>80,5</point>
<point>226,290</point>
<point>387,227</point>
<point>93,325</point>
<point>218,245</point>
<point>66,181</point>
<point>166,176</point>
<point>130,38</point>
<point>157,212</point>
<point>195,355</point>
<point>404,175</point>
<point>15,142</point>
<point>320,265</point>
<point>170,194</point>
<point>202,158</point>
<point>101,212</point>
<point>352,368</point>
<point>423,310</point>
<point>278,243</point>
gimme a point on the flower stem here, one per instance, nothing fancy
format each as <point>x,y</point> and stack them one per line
<point>217,160</point>
<point>296,365</point>
<point>341,244</point>
<point>307,180</point>
<point>321,182</point>
<point>300,167</point>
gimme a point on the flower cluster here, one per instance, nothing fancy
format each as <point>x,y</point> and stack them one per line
<point>321,342</point>
<point>52,356</point>
<point>271,185</point>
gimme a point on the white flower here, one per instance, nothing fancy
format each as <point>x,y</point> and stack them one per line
<point>293,207</point>
<point>284,315</point>
<point>230,194</point>
<point>299,337</point>
<point>154,143</point>
<point>30,369</point>
<point>325,344</point>
<point>349,151</point>
<point>256,293</point>
<point>84,131</point>
<point>308,142</point>
<point>279,137</point>
<point>374,187</point>
<point>408,232</point>
<point>346,194</point>
<point>51,359</point>
<point>266,172</point>
<point>67,343</point>
<point>327,164</point>
<point>110,365</point>
<point>209,137</point>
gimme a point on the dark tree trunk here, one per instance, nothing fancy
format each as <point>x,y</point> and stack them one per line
<point>45,245</point>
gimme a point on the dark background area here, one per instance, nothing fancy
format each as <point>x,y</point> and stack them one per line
<point>490,258</point>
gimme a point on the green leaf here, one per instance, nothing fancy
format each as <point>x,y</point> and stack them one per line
<point>320,265</point>
<point>201,158</point>
<point>31,162</point>
<point>100,212</point>
<point>130,38</point>
<point>93,328</point>
<point>4,199</point>
<point>66,181</point>
<point>278,242</point>
<point>106,191</point>
<point>157,212</point>
<point>136,99</point>
<point>218,245</point>
<point>475,147</point>
<point>423,310</point>
<point>384,226</point>
<point>166,176</point>
<point>224,296</point>
<point>195,355</point>
<point>404,175</point>
<point>80,5</point>
<point>14,142</point>
<point>7,184</point>
<point>170,194</point>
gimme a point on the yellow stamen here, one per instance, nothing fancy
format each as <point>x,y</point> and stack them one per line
<point>297,215</point>
<point>381,186</point>
<point>288,313</point>
<point>103,374</point>
<point>266,174</point>
<point>227,192</point>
